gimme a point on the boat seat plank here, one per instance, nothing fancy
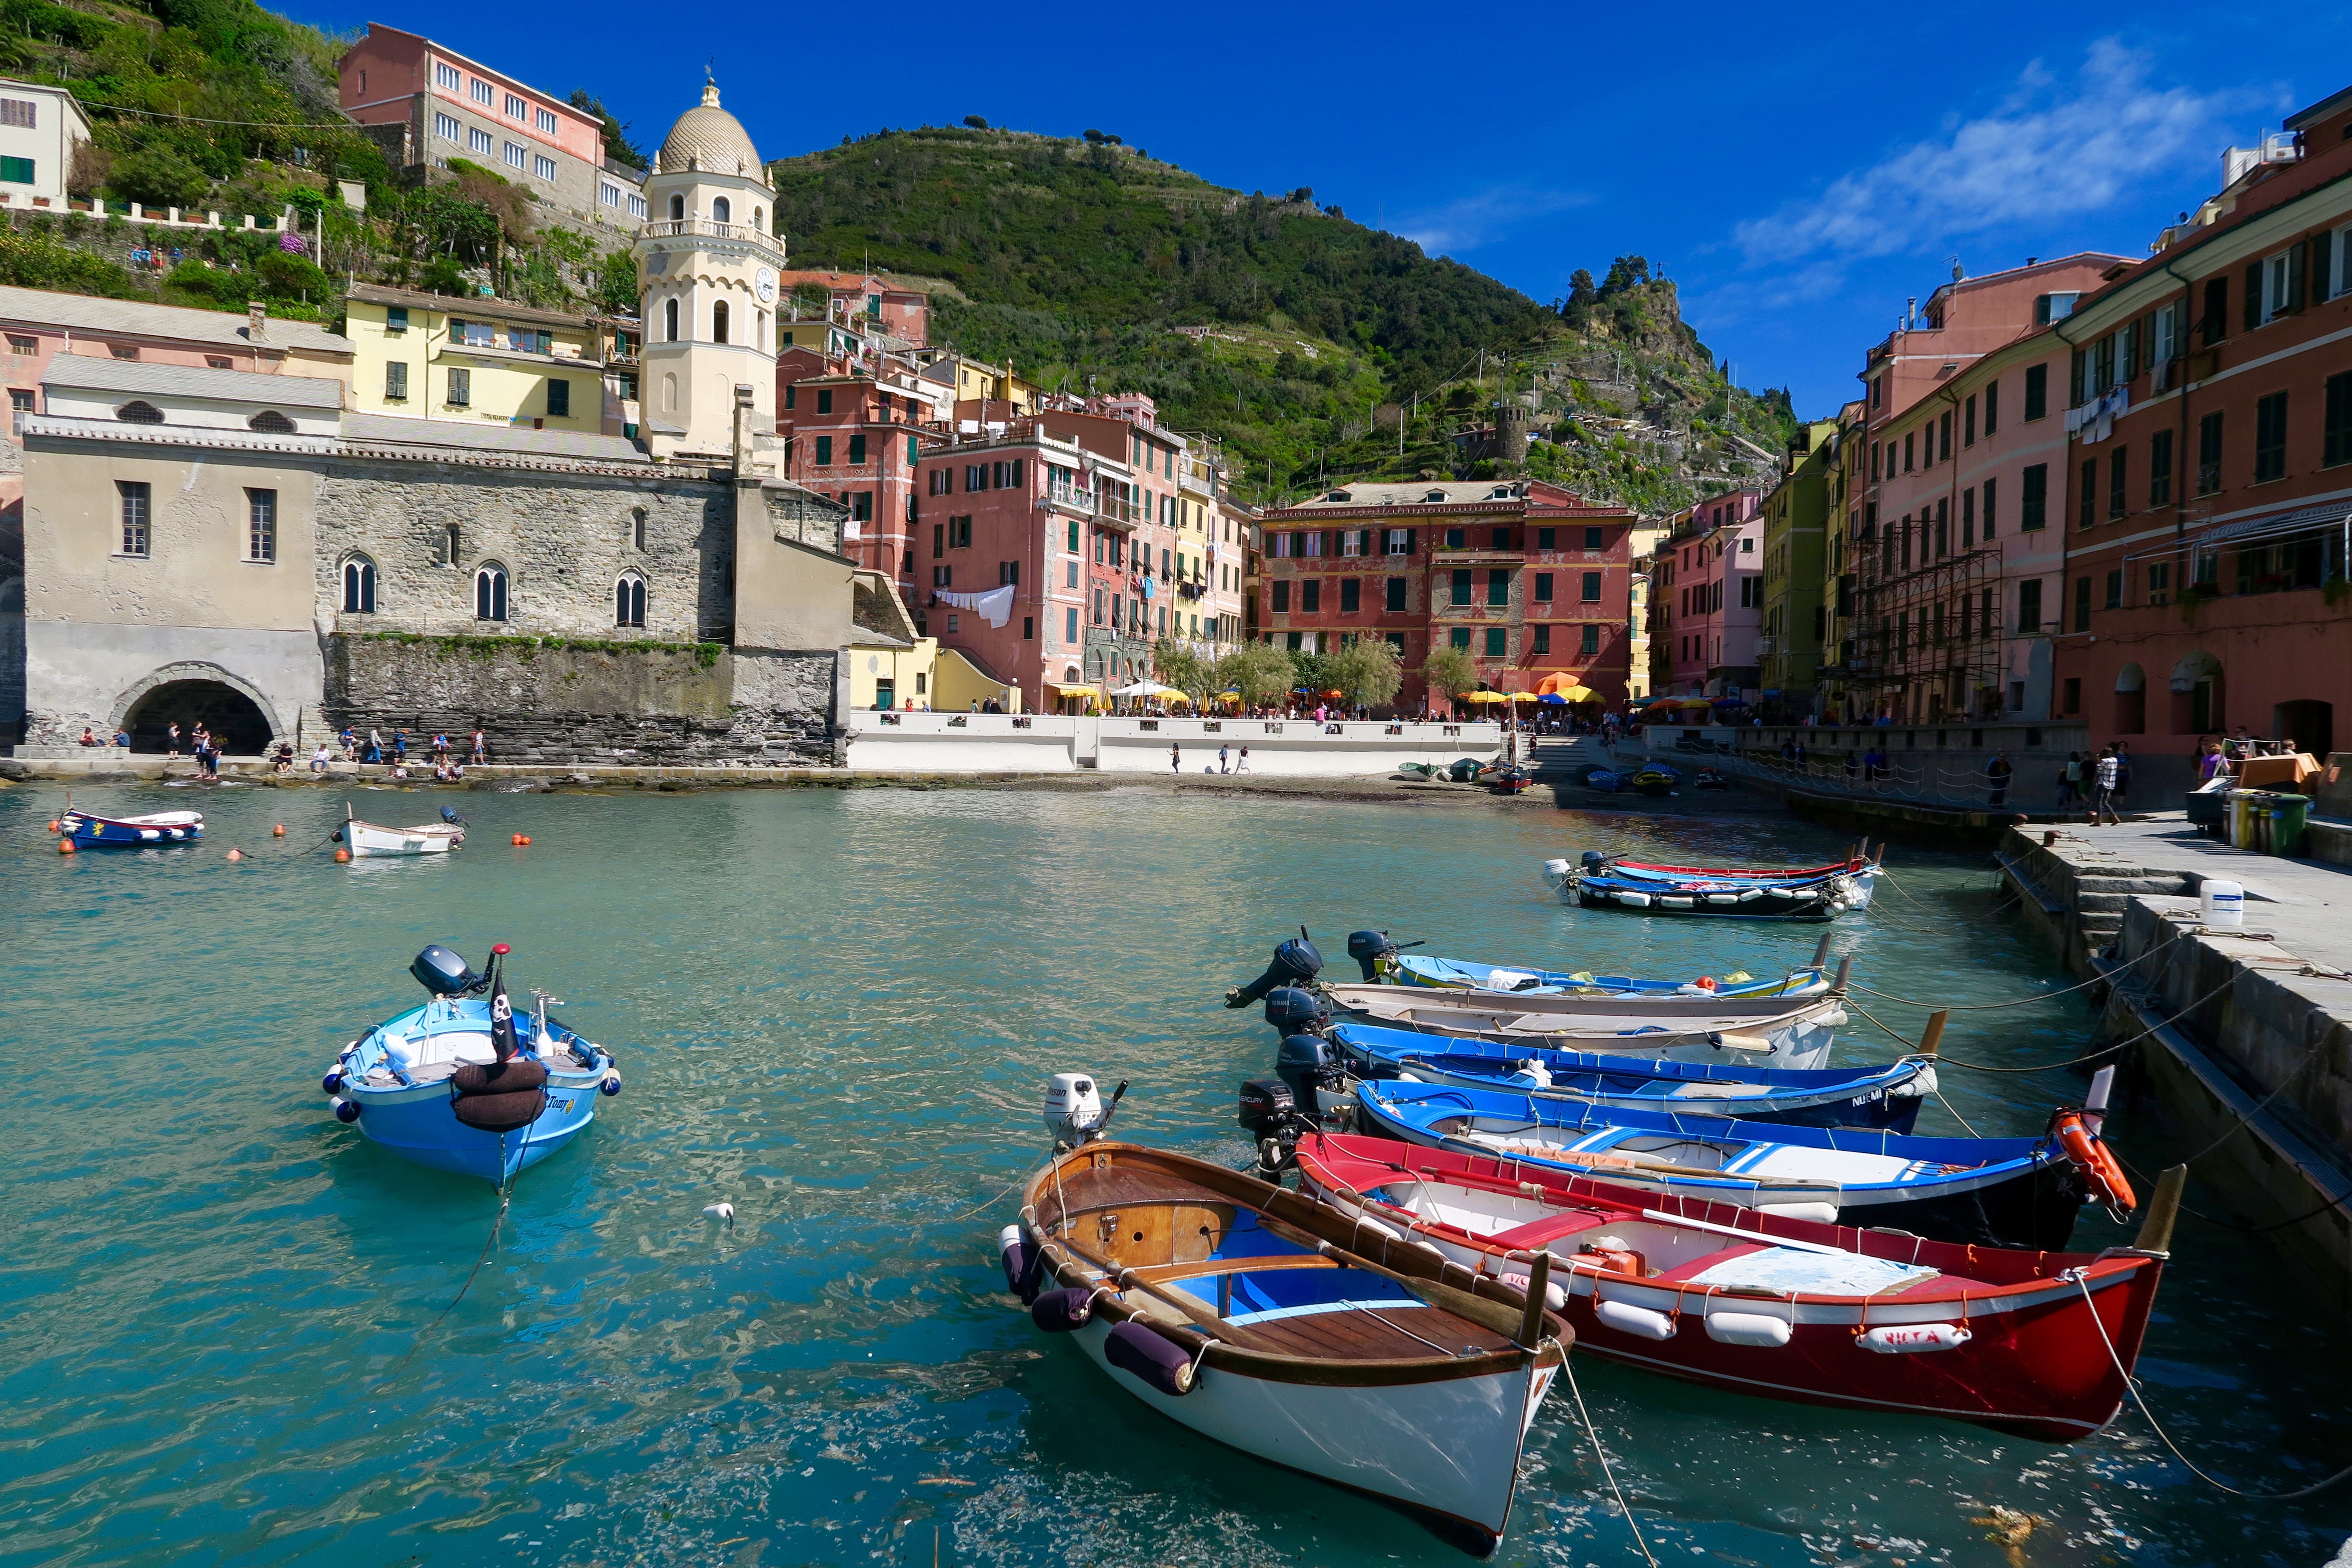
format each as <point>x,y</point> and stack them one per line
<point>1161,1273</point>
<point>1706,1261</point>
<point>1550,1228</point>
<point>1357,1335</point>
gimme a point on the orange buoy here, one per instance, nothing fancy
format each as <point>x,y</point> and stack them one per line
<point>522,838</point>
<point>279,831</point>
<point>1707,982</point>
<point>342,856</point>
<point>2097,1162</point>
<point>55,824</point>
<point>236,854</point>
<point>66,847</point>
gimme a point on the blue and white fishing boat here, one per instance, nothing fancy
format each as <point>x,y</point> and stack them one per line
<point>1884,1097</point>
<point>88,830</point>
<point>1766,1031</point>
<point>1798,893</point>
<point>1469,974</point>
<point>2000,1191</point>
<point>460,1084</point>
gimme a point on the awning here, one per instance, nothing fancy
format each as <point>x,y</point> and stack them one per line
<point>1062,690</point>
<point>2302,520</point>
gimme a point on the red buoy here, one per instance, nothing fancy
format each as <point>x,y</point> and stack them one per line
<point>66,847</point>
<point>279,831</point>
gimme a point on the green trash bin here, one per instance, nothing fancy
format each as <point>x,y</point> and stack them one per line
<point>2289,815</point>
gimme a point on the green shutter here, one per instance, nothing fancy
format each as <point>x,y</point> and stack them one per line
<point>2253,315</point>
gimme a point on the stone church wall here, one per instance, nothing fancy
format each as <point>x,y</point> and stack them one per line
<point>652,706</point>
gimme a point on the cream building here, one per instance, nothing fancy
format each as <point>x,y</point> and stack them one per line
<point>474,360</point>
<point>708,265</point>
<point>40,127</point>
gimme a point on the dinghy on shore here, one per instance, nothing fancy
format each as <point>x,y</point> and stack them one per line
<point>1285,1329</point>
<point>459,1085</point>
<point>2000,1191</point>
<point>2035,1343</point>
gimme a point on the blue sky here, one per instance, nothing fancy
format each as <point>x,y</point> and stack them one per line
<point>1798,181</point>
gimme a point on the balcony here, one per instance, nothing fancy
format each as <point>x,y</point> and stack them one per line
<point>704,228</point>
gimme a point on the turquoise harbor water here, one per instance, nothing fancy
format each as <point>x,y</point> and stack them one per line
<point>220,1340</point>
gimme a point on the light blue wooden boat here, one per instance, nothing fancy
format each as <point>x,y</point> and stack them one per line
<point>399,1081</point>
<point>1468,974</point>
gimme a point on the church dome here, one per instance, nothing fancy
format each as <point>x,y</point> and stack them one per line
<point>707,138</point>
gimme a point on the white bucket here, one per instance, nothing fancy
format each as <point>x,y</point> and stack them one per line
<point>2225,904</point>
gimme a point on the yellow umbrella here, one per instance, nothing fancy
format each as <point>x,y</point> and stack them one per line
<point>1577,694</point>
<point>1484,696</point>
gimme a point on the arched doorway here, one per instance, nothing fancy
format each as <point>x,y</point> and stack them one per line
<point>2197,698</point>
<point>2131,700</point>
<point>238,725</point>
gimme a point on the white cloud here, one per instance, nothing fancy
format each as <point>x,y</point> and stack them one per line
<point>2050,152</point>
<point>1473,221</point>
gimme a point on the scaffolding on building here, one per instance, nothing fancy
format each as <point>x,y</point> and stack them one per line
<point>1928,646</point>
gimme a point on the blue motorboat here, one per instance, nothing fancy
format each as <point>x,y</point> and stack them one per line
<point>88,830</point>
<point>1884,1097</point>
<point>2000,1191</point>
<point>461,1085</point>
<point>1469,974</point>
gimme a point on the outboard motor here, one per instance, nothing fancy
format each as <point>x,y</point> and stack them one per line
<point>1074,1113</point>
<point>1368,948</point>
<point>444,974</point>
<point>449,814</point>
<point>1307,1064</point>
<point>1295,962</point>
<point>1295,1010</point>
<point>1594,862</point>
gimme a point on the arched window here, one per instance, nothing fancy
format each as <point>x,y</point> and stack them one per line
<point>359,586</point>
<point>720,211</point>
<point>757,217</point>
<point>669,321</point>
<point>637,529</point>
<point>629,600</point>
<point>269,422</point>
<point>718,323</point>
<point>677,208</point>
<point>490,592</point>
<point>139,411</point>
<point>670,394</point>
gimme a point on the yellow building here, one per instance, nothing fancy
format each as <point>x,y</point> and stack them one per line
<point>978,382</point>
<point>474,360</point>
<point>1643,541</point>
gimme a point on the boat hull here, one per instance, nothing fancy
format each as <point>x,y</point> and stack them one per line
<point>367,839</point>
<point>1454,974</point>
<point>420,1125</point>
<point>1881,1111</point>
<point>1782,1032</point>
<point>1446,1451</point>
<point>159,831</point>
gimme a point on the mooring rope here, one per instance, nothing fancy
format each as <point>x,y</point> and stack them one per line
<point>1593,1433</point>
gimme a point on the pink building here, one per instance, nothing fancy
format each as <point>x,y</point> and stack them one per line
<point>427,104</point>
<point>1708,596</point>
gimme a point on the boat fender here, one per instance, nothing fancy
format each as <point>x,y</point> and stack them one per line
<point>1749,895</point>
<point>332,1083</point>
<point>1634,900</point>
<point>1748,1328</point>
<point>1910,1339</point>
<point>1669,902</point>
<point>1059,1311</point>
<point>2098,1165</point>
<point>347,1111</point>
<point>1020,1260</point>
<point>1163,1365</point>
<point>1918,1086</point>
<point>610,1084</point>
<point>1554,1297</point>
<point>1640,1322</point>
<point>1359,1223</point>
<point>1819,1213</point>
<point>1836,1019</point>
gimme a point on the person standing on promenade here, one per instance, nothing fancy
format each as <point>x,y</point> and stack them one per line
<point>1242,766</point>
<point>1223,760</point>
<point>1175,758</point>
<point>2123,770</point>
<point>480,753</point>
<point>171,740</point>
<point>2102,788</point>
<point>399,748</point>
<point>1997,774</point>
<point>2070,781</point>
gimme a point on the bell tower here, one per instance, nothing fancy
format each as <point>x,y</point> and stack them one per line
<point>707,265</point>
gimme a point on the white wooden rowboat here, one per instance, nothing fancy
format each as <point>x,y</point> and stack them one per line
<point>428,838</point>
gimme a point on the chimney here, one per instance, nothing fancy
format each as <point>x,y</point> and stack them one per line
<point>256,322</point>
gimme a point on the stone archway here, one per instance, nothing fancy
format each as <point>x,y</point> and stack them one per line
<point>232,708</point>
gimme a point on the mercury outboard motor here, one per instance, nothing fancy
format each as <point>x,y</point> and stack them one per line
<point>444,974</point>
<point>1307,1064</point>
<point>449,814</point>
<point>1295,1010</point>
<point>1295,961</point>
<point>1368,948</point>
<point>1594,862</point>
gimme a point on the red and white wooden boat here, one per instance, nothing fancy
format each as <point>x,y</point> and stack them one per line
<point>1785,1309</point>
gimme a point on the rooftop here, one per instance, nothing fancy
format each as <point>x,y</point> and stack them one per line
<point>466,305</point>
<point>87,373</point>
<point>139,319</point>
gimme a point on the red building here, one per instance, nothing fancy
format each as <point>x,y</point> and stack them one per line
<point>1530,580</point>
<point>2208,476</point>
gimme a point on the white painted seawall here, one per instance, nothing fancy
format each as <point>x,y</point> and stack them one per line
<point>1044,743</point>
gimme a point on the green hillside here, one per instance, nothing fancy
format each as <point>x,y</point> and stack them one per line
<point>1298,337</point>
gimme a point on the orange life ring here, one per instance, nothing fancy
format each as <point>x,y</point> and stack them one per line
<point>2105,1175</point>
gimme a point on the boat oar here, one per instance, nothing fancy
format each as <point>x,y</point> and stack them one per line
<point>1604,1159</point>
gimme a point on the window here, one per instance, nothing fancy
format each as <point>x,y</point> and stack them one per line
<point>2270,439</point>
<point>1588,639</point>
<point>718,321</point>
<point>2282,285</point>
<point>1351,590</point>
<point>1967,519</point>
<point>2073,689</point>
<point>1498,586</point>
<point>1545,538</point>
<point>1594,538</point>
<point>1461,585</point>
<point>1968,423</point>
<point>824,451</point>
<point>19,345</point>
<point>449,545</point>
<point>461,388</point>
<point>359,586</point>
<point>861,507</point>
<point>1495,640</point>
<point>1453,538</point>
<point>2209,454</point>
<point>2037,391</point>
<point>677,209</point>
<point>269,422</point>
<point>444,75</point>
<point>2159,467</point>
<point>2033,500</point>
<point>1396,595</point>
<point>637,530</point>
<point>2082,604</point>
<point>1543,588</point>
<point>669,321</point>
<point>136,498</point>
<point>445,127</point>
<point>1542,643</point>
<point>1944,437</point>
<point>481,91</point>
<point>1310,595</point>
<point>544,166</point>
<point>1070,624</point>
<point>608,195</point>
<point>490,593</point>
<point>857,449</point>
<point>1281,604</point>
<point>2213,325</point>
<point>2337,446</point>
<point>1352,541</point>
<point>942,576</point>
<point>2117,472</point>
<point>2114,590</point>
<point>1910,441</point>
<point>123,350</point>
<point>2087,506</point>
<point>479,141</point>
<point>1589,591</point>
<point>1502,539</point>
<point>2049,308</point>
<point>1399,541</point>
<point>629,600</point>
<point>722,211</point>
<point>545,119</point>
<point>1992,406</point>
<point>16,111</point>
<point>2029,606</point>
